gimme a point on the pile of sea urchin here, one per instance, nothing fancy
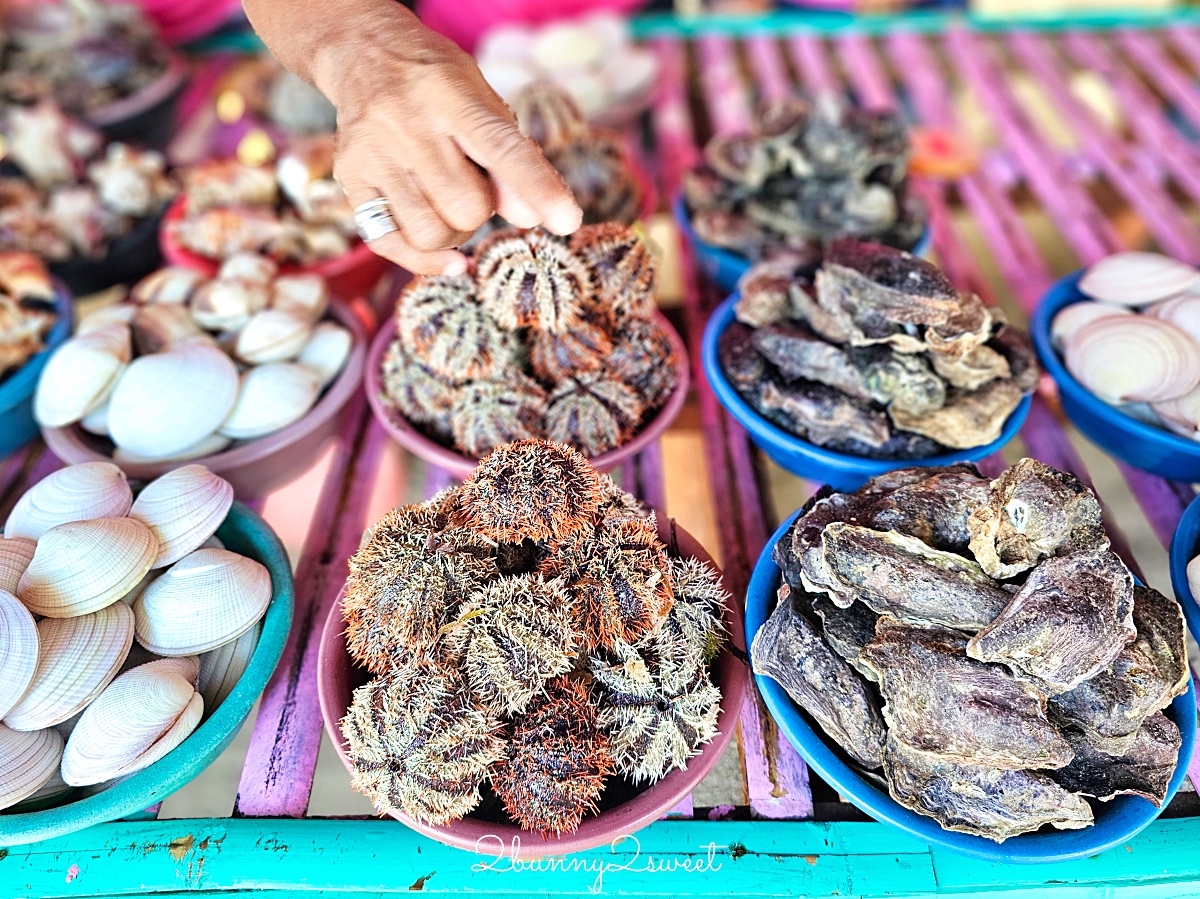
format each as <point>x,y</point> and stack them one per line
<point>529,634</point>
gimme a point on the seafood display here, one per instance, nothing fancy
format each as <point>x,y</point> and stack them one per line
<point>593,59</point>
<point>870,351</point>
<point>85,55</point>
<point>27,310</point>
<point>979,645</point>
<point>186,365</point>
<point>74,196</point>
<point>1135,343</point>
<point>295,213</point>
<point>544,337</point>
<point>529,635</point>
<point>806,175</point>
<point>86,571</point>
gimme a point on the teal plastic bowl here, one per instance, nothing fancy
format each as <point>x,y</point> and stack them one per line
<point>242,532</point>
<point>1117,820</point>
<point>841,471</point>
<point>17,426</point>
<point>1185,546</point>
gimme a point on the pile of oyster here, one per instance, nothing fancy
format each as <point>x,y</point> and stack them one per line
<point>871,351</point>
<point>1136,345</point>
<point>530,634</point>
<point>978,645</point>
<point>186,365</point>
<point>543,337</point>
<point>27,310</point>
<point>74,196</point>
<point>85,571</point>
<point>295,212</point>
<point>803,176</point>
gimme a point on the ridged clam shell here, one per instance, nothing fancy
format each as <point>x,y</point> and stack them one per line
<point>248,267</point>
<point>271,397</point>
<point>304,296</point>
<point>75,493</point>
<point>326,352</point>
<point>79,658</point>
<point>188,720</point>
<point>272,335</point>
<point>1071,318</point>
<point>15,555</point>
<point>27,761</point>
<point>127,719</point>
<point>1133,358</point>
<point>162,325</point>
<point>168,402</point>
<point>1181,415</point>
<point>82,566</point>
<point>226,305</point>
<point>51,790</point>
<point>210,445</point>
<point>1137,278</point>
<point>183,508</point>
<point>80,374</point>
<point>173,284</point>
<point>1182,311</point>
<point>18,651</point>
<point>112,313</point>
<point>223,667</point>
<point>205,599</point>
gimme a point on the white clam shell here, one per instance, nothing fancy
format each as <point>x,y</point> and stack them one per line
<point>210,445</point>
<point>630,72</point>
<point>1071,318</point>
<point>18,650</point>
<point>183,508</point>
<point>1137,278</point>
<point>15,555</point>
<point>305,296</point>
<point>75,493</point>
<point>272,335</point>
<point>1182,311</point>
<point>227,304</point>
<point>248,267</point>
<point>80,374</point>
<point>96,421</point>
<point>271,397</point>
<point>205,599</point>
<point>1133,359</point>
<point>223,667</point>
<point>136,711</point>
<point>79,658</point>
<point>82,566</point>
<point>168,402</point>
<point>113,313</point>
<point>162,325</point>
<point>27,761</point>
<point>567,45</point>
<point>1181,414</point>
<point>326,352</point>
<point>173,284</point>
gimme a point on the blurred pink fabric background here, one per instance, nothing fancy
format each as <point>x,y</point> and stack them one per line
<point>465,21</point>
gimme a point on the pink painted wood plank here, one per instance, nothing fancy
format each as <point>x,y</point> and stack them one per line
<point>436,480</point>
<point>1146,51</point>
<point>278,773</point>
<point>728,106</point>
<point>648,478</point>
<point>812,65</point>
<point>770,71</point>
<point>871,85</point>
<point>12,470</point>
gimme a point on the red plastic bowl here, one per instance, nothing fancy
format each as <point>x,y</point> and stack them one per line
<point>352,274</point>
<point>338,676</point>
<point>414,440</point>
<point>260,466</point>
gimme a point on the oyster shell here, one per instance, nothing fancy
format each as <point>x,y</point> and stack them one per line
<point>1144,769</point>
<point>972,370</point>
<point>847,630</point>
<point>934,509</point>
<point>968,419</point>
<point>939,701</point>
<point>823,414</point>
<point>788,649</point>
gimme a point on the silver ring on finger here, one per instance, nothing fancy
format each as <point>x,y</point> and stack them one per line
<point>373,219</point>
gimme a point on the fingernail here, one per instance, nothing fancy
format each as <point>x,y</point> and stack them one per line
<point>564,218</point>
<point>457,267</point>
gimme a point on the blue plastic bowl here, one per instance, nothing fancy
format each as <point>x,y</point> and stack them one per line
<point>1185,546</point>
<point>17,426</point>
<point>839,470</point>
<point>242,532</point>
<point>1141,445</point>
<point>725,268</point>
<point>1116,820</point>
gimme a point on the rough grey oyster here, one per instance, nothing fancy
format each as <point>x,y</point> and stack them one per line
<point>1069,621</point>
<point>938,700</point>
<point>970,372</point>
<point>899,575</point>
<point>967,419</point>
<point>1145,769</point>
<point>822,414</point>
<point>1034,512</point>
<point>1145,677</point>
<point>847,630</point>
<point>741,158</point>
<point>789,649</point>
<point>987,802</point>
<point>934,509</point>
<point>740,361</point>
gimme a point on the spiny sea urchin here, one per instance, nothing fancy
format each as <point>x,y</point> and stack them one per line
<point>441,319</point>
<point>696,616</point>
<point>596,168</point>
<point>420,395</point>
<point>556,356</point>
<point>513,635</point>
<point>488,414</point>
<point>529,279</point>
<point>548,114</point>
<point>644,358</point>
<point>532,490</point>
<point>557,761</point>
<point>419,742</point>
<point>626,273</point>
<point>593,412</point>
<point>618,503</point>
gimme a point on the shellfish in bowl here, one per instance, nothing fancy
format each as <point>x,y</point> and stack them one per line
<point>129,660</point>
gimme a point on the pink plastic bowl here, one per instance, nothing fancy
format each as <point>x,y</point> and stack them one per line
<point>352,274</point>
<point>459,465</point>
<point>338,676</point>
<point>260,466</point>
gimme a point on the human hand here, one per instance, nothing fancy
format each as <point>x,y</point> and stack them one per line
<point>418,126</point>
